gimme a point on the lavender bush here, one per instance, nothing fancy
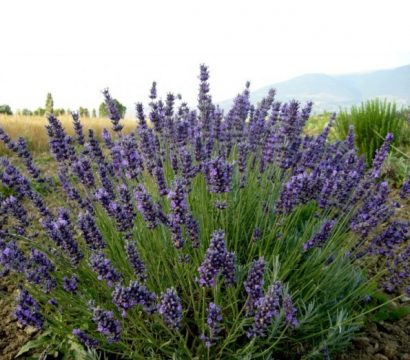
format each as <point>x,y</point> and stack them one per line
<point>201,234</point>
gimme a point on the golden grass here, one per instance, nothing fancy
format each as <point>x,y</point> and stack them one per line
<point>32,128</point>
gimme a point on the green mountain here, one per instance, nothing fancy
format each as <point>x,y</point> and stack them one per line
<point>330,92</point>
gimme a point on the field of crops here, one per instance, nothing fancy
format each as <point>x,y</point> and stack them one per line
<point>33,128</point>
<point>194,234</point>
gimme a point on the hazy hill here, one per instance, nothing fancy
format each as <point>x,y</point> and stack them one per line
<point>330,92</point>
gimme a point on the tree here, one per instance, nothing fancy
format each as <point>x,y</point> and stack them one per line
<point>5,109</point>
<point>49,104</point>
<point>102,110</point>
<point>84,112</point>
<point>59,112</point>
<point>39,112</point>
<point>26,112</point>
<point>94,113</point>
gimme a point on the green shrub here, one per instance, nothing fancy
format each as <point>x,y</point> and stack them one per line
<point>372,121</point>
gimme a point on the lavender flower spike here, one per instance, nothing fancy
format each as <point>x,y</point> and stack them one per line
<point>320,238</point>
<point>254,284</point>
<point>266,308</point>
<point>213,321</point>
<point>112,110</point>
<point>135,260</point>
<point>217,260</point>
<point>107,324</point>
<point>103,267</point>
<point>83,338</point>
<point>290,312</point>
<point>27,311</point>
<point>171,309</point>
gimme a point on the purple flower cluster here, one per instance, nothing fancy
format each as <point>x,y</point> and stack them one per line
<point>177,197</point>
<point>405,189</point>
<point>27,311</point>
<point>374,210</point>
<point>131,161</point>
<point>11,257</point>
<point>218,174</point>
<point>146,206</point>
<point>59,231</point>
<point>70,284</point>
<point>254,284</point>
<point>266,308</point>
<point>104,269</point>
<point>320,238</point>
<point>213,321</point>
<point>85,339</point>
<point>112,110</point>
<point>170,308</point>
<point>135,260</point>
<point>217,260</point>
<point>39,269</point>
<point>107,324</point>
<point>78,128</point>
<point>91,233</point>
<point>126,298</point>
<point>290,312</point>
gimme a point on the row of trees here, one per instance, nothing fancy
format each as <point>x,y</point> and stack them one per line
<point>49,109</point>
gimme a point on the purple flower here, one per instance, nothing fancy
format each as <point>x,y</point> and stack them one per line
<point>112,110</point>
<point>170,309</point>
<point>104,269</point>
<point>14,207</point>
<point>176,231</point>
<point>290,312</point>
<point>91,233</point>
<point>390,240</point>
<point>126,298</point>
<point>140,115</point>
<point>229,268</point>
<point>84,339</point>
<point>159,177</point>
<point>192,228</point>
<point>177,197</point>
<point>27,311</point>
<point>107,324</point>
<point>131,160</point>
<point>11,257</point>
<point>78,128</point>
<point>266,308</point>
<point>70,284</point>
<point>405,189</point>
<point>135,260</point>
<point>254,284</point>
<point>71,192</point>
<point>256,234</point>
<point>82,168</point>
<point>218,174</point>
<point>146,206</point>
<point>213,321</point>
<point>106,136</point>
<point>380,156</point>
<point>321,237</point>
<point>125,197</point>
<point>60,232</point>
<point>217,260</point>
<point>60,144</point>
<point>373,211</point>
<point>39,269</point>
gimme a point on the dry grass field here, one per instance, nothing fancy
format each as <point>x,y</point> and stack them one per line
<point>32,128</point>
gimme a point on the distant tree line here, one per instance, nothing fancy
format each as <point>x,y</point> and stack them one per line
<point>49,109</point>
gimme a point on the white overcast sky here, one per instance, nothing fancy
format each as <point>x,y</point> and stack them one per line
<point>74,49</point>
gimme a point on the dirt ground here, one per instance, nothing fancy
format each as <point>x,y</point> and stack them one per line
<point>12,336</point>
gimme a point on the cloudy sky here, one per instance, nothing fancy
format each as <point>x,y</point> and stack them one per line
<point>74,49</point>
